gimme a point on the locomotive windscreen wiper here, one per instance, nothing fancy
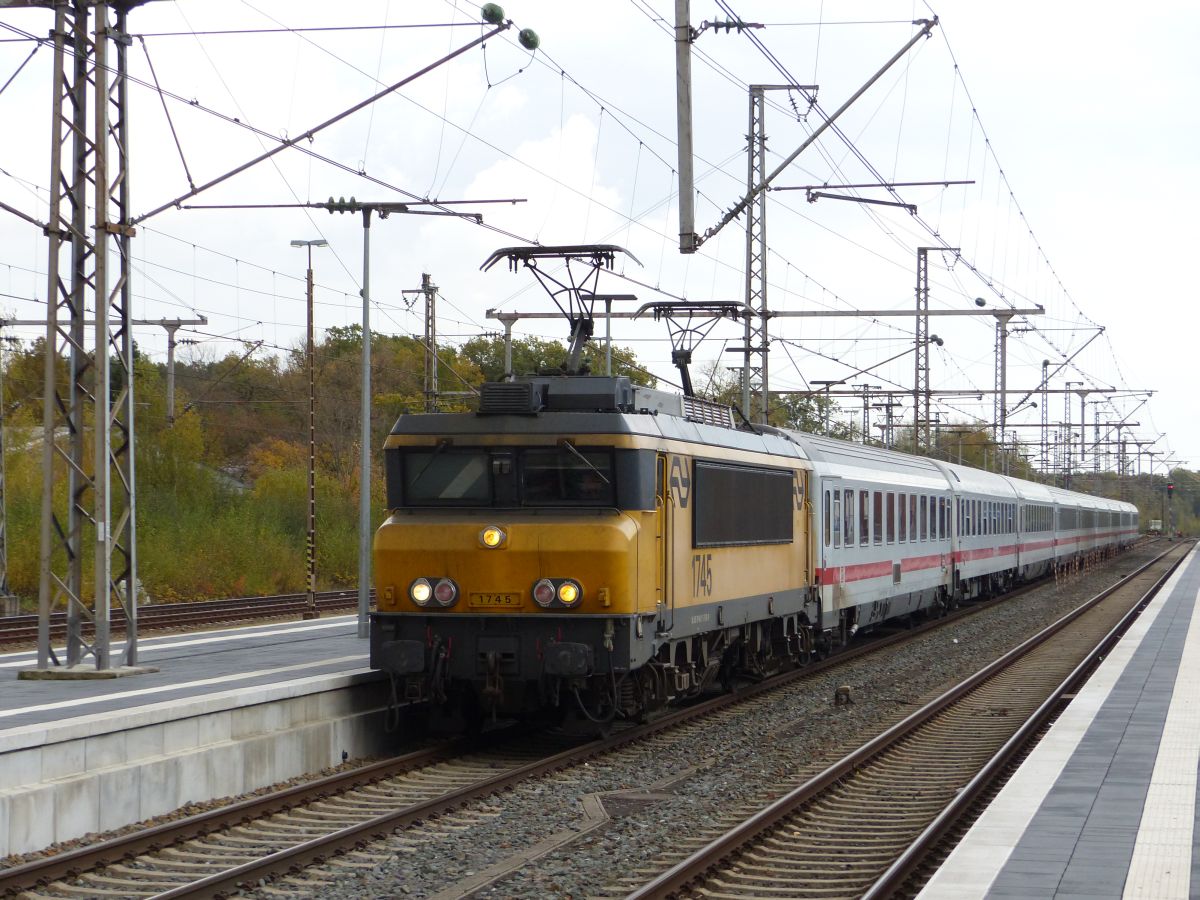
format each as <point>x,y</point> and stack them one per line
<point>586,461</point>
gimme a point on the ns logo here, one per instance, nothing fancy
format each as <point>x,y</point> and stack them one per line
<point>680,480</point>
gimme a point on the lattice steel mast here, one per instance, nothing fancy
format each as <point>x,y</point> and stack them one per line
<point>95,171</point>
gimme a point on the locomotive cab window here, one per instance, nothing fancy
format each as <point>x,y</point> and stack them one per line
<point>447,478</point>
<point>562,477</point>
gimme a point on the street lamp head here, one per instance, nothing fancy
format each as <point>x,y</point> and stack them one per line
<point>320,242</point>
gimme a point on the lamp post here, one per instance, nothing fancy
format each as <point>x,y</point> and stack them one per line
<point>310,545</point>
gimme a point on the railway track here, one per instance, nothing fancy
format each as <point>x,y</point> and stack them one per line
<point>863,826</point>
<point>23,629</point>
<point>278,833</point>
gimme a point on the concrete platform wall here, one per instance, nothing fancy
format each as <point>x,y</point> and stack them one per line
<point>96,773</point>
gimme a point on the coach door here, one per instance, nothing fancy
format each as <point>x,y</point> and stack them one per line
<point>663,508</point>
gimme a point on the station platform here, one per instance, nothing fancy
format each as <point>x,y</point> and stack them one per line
<point>226,712</point>
<point>191,665</point>
<point>1106,804</point>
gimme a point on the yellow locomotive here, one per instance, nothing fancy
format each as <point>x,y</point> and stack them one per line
<point>589,546</point>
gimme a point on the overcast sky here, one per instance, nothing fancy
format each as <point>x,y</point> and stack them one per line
<point>1077,124</point>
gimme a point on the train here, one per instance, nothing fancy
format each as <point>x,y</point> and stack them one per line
<point>584,547</point>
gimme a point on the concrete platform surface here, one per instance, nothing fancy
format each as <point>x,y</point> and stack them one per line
<point>1106,805</point>
<point>189,665</point>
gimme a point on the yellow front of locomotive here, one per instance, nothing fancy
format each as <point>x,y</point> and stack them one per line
<point>511,563</point>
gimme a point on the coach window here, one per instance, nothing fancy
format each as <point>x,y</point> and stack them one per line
<point>837,518</point>
<point>878,516</point>
<point>825,509</point>
<point>864,517</point>
<point>891,517</point>
<point>903,517</point>
<point>941,520</point>
<point>912,517</point>
<point>924,517</point>
<point>848,517</point>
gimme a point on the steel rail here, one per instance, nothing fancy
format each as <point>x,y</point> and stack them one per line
<point>699,863</point>
<point>907,863</point>
<point>72,863</point>
<point>28,876</point>
<point>15,629</point>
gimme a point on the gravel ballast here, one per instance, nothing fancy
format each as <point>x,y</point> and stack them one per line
<point>634,812</point>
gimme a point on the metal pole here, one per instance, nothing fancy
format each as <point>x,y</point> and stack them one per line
<point>429,289</point>
<point>310,539</point>
<point>310,545</point>
<point>5,595</point>
<point>56,232</point>
<point>1083,430</point>
<point>1045,406</point>
<point>171,329</point>
<point>364,482</point>
<point>1001,410</point>
<point>123,456</point>
<point>608,336</point>
<point>921,377</point>
<point>1067,435</point>
<point>101,483</point>
<point>683,126</point>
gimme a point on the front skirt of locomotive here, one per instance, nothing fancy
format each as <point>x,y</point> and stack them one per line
<point>509,663</point>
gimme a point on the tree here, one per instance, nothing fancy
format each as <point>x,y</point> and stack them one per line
<point>531,355</point>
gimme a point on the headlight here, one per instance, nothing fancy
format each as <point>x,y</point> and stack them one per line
<point>569,593</point>
<point>492,537</point>
<point>543,593</point>
<point>445,592</point>
<point>420,592</point>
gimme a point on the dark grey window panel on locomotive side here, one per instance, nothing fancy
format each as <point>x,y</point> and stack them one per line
<point>739,505</point>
